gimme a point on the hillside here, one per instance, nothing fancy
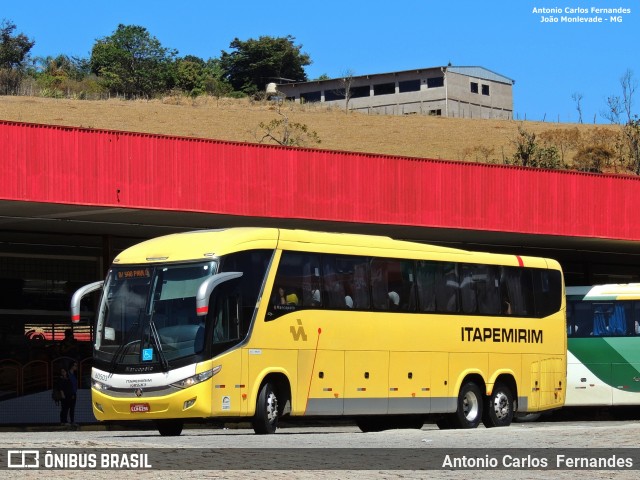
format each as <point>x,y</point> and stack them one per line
<point>237,120</point>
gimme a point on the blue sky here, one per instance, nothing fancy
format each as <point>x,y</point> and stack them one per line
<point>549,61</point>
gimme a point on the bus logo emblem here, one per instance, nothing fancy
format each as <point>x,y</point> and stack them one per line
<point>298,332</point>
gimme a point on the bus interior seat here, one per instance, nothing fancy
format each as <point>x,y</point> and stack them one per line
<point>599,324</point>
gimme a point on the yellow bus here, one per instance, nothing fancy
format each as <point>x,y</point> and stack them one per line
<point>259,323</point>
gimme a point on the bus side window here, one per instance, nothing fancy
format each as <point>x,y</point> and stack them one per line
<point>311,285</point>
<point>333,287</point>
<point>467,289</point>
<point>447,288</point>
<point>517,291</point>
<point>487,283</point>
<point>426,285</point>
<point>582,318</point>
<point>618,320</point>
<point>380,284</point>
<point>286,294</point>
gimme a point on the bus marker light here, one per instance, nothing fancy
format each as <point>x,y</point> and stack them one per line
<point>220,386</point>
<point>240,386</point>
<point>244,396</point>
<point>327,389</point>
<point>361,389</point>
<point>393,389</point>
<point>189,403</point>
<point>336,395</point>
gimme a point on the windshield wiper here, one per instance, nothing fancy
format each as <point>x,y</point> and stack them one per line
<point>156,339</point>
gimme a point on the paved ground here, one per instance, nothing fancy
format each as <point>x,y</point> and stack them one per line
<point>612,435</point>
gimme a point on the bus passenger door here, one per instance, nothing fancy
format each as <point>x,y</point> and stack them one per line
<point>366,382</point>
<point>225,325</point>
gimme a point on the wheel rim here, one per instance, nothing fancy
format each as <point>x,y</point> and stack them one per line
<point>470,406</point>
<point>272,408</point>
<point>501,406</point>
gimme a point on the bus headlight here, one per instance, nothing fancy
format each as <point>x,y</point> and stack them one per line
<point>101,387</point>
<point>197,378</point>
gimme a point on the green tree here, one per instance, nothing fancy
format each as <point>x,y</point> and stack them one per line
<point>64,76</point>
<point>14,56</point>
<point>190,75</point>
<point>133,62</point>
<point>215,81</point>
<point>254,63</point>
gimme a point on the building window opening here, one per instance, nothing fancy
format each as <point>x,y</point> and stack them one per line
<point>332,95</point>
<point>310,97</point>
<point>435,82</point>
<point>409,86</point>
<point>474,87</point>
<point>358,92</point>
<point>384,89</point>
<point>485,90</point>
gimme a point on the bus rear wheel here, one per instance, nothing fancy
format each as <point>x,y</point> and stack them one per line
<point>265,420</point>
<point>498,411</point>
<point>469,411</point>
<point>169,428</point>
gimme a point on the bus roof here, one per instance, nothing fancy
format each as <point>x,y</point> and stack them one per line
<point>206,244</point>
<point>614,291</point>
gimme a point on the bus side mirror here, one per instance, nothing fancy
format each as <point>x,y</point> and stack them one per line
<point>206,287</point>
<point>78,296</point>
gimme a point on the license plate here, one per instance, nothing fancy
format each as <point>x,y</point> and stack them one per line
<point>139,407</point>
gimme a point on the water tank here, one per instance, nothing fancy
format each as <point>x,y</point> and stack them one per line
<point>272,89</point>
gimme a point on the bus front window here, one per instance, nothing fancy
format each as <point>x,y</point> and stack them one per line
<point>148,314</point>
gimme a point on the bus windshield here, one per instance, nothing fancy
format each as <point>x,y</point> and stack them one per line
<point>148,314</point>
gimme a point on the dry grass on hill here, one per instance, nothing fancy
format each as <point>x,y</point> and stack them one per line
<point>237,120</point>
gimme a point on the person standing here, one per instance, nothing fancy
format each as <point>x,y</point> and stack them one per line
<point>63,386</point>
<point>68,387</point>
<point>73,380</point>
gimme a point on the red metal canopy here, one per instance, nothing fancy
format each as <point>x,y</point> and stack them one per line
<point>78,166</point>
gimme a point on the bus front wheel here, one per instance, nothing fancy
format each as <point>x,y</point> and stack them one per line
<point>469,411</point>
<point>498,411</point>
<point>265,420</point>
<point>169,428</point>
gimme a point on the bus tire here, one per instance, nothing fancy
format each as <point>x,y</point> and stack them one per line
<point>265,420</point>
<point>469,411</point>
<point>169,428</point>
<point>527,417</point>
<point>498,411</point>
<point>444,423</point>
